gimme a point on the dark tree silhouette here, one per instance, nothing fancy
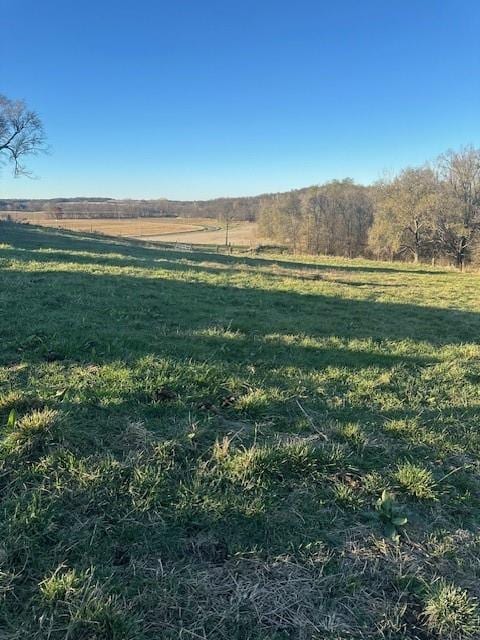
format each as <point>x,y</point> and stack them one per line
<point>21,134</point>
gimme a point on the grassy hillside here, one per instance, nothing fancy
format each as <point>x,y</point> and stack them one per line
<point>199,443</point>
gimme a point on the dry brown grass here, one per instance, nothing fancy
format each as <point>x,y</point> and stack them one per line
<point>130,227</point>
<point>280,596</point>
<point>240,234</point>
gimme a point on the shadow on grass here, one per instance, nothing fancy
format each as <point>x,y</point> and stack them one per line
<point>87,317</point>
<point>125,315</point>
<point>132,313</point>
<point>99,500</point>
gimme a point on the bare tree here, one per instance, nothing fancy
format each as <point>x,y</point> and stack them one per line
<point>405,213</point>
<point>53,210</point>
<point>290,214</point>
<point>460,229</point>
<point>21,134</point>
<point>316,209</point>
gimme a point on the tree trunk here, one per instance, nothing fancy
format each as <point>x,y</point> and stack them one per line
<point>461,254</point>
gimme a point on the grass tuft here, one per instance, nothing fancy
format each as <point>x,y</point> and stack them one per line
<point>451,612</point>
<point>416,480</point>
<point>32,433</point>
<point>74,605</point>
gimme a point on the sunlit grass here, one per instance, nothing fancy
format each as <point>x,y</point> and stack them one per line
<point>200,442</point>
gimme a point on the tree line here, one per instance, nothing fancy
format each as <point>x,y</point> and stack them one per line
<point>242,208</point>
<point>425,213</point>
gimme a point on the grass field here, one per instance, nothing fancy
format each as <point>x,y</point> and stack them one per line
<point>201,231</point>
<point>196,445</point>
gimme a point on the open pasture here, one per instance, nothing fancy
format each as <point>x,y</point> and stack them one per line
<point>204,446</point>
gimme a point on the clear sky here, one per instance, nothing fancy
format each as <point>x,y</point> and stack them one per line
<point>192,99</point>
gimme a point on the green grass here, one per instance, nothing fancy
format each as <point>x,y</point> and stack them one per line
<point>199,443</point>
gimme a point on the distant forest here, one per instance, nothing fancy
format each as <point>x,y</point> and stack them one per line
<point>245,208</point>
<point>427,213</point>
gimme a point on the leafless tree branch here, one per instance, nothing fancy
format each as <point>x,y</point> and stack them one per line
<point>21,134</point>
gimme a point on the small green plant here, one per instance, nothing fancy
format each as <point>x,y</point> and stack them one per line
<point>84,609</point>
<point>390,516</point>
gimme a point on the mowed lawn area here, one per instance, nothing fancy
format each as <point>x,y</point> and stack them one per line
<point>196,445</point>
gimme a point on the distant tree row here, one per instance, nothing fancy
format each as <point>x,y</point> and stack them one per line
<point>218,209</point>
<point>426,213</point>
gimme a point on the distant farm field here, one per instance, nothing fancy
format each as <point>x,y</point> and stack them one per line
<point>196,445</point>
<point>125,227</point>
<point>240,234</point>
<point>202,231</point>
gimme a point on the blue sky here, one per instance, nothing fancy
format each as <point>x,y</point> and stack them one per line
<point>192,99</point>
